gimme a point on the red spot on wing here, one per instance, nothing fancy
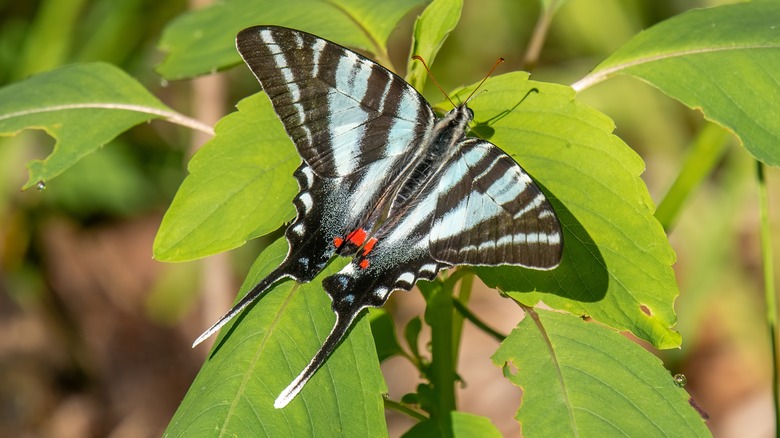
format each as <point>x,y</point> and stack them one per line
<point>369,246</point>
<point>363,264</point>
<point>337,242</point>
<point>357,237</point>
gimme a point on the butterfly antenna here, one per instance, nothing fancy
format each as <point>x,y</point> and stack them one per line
<point>433,78</point>
<point>343,322</point>
<point>498,61</point>
<point>258,290</point>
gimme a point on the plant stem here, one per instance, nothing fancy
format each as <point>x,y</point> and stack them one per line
<point>464,294</point>
<point>769,285</point>
<point>706,151</point>
<point>463,310</point>
<point>402,408</point>
<point>539,35</point>
<point>439,316</point>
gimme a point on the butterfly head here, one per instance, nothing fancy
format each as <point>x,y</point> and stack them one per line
<point>458,119</point>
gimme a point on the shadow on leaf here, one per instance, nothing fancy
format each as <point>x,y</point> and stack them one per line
<point>582,275</point>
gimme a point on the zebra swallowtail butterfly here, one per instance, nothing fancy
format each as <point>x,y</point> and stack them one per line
<point>384,180</point>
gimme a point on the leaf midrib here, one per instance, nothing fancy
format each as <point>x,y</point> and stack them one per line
<point>171,116</point>
<point>255,358</point>
<point>601,75</point>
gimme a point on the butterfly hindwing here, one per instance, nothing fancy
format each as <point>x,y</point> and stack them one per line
<point>490,212</point>
<point>460,213</point>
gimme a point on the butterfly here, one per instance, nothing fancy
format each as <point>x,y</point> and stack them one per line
<point>385,181</point>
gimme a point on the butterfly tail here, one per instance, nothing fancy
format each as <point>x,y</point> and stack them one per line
<point>343,322</point>
<point>257,291</point>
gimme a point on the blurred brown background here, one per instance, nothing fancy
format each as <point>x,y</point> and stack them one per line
<point>95,335</point>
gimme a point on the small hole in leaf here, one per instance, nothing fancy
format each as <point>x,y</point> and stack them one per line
<point>510,369</point>
<point>646,310</point>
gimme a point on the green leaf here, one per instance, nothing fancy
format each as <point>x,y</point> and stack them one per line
<point>616,258</point>
<point>412,336</point>
<point>582,379</point>
<point>82,106</point>
<point>724,61</point>
<point>259,353</point>
<point>240,186</point>
<point>462,424</point>
<point>203,40</point>
<point>430,31</point>
<point>383,330</point>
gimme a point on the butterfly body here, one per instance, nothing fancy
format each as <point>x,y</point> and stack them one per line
<point>386,181</point>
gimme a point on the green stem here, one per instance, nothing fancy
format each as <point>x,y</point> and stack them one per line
<point>769,285</point>
<point>402,408</point>
<point>705,153</point>
<point>463,310</point>
<point>541,29</point>
<point>464,294</point>
<point>439,315</point>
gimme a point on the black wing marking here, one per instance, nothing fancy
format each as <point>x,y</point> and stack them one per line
<point>491,213</point>
<point>343,111</point>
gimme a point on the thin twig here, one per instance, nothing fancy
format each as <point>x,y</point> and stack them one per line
<point>402,408</point>
<point>769,285</point>
<point>463,310</point>
<point>537,38</point>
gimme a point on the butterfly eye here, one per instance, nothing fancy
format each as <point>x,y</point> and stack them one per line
<point>470,113</point>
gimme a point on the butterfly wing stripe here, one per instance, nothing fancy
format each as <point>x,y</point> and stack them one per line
<point>347,124</point>
<point>280,60</point>
<point>490,212</point>
<point>538,201</point>
<point>308,78</point>
<point>405,226</point>
<point>317,51</point>
<point>411,124</point>
<point>507,187</point>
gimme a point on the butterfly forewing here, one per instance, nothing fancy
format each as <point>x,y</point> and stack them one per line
<point>343,112</point>
<point>332,102</point>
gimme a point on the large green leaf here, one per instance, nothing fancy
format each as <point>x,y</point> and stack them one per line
<point>257,355</point>
<point>724,61</point>
<point>616,260</point>
<point>240,186</point>
<point>82,106</point>
<point>461,425</point>
<point>582,379</point>
<point>203,40</point>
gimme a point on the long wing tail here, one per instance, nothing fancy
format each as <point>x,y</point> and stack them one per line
<point>343,322</point>
<point>257,291</point>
